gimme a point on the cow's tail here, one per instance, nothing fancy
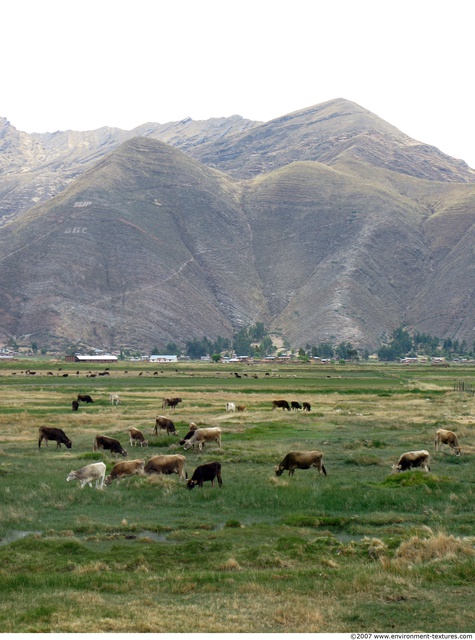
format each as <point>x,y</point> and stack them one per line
<point>323,469</point>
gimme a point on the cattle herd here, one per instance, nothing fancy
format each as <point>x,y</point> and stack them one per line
<point>211,471</point>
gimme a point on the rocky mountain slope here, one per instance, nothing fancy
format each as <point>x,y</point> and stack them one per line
<point>327,225</point>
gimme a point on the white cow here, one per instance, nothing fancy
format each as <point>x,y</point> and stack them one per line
<point>114,398</point>
<point>86,475</point>
<point>230,406</point>
<point>413,460</point>
<point>200,436</point>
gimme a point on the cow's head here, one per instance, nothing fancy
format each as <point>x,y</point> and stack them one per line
<point>68,444</point>
<point>72,476</point>
<point>278,471</point>
<point>108,480</point>
<point>191,483</point>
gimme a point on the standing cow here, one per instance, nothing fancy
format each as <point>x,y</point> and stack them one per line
<point>54,434</point>
<point>444,436</point>
<point>161,422</point>
<point>89,473</point>
<point>208,472</point>
<point>301,460</point>
<point>413,460</point>
<point>109,444</point>
<point>281,404</point>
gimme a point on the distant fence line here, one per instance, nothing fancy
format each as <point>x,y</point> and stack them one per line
<point>462,386</point>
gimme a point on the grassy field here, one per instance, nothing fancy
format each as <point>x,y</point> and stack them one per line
<point>358,550</point>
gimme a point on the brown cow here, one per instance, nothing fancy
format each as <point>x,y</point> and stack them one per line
<point>127,468</point>
<point>167,464</point>
<point>301,460</point>
<point>137,437</point>
<point>443,436</point>
<point>170,402</point>
<point>161,422</point>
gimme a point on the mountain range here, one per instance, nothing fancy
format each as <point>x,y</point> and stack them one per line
<point>327,224</point>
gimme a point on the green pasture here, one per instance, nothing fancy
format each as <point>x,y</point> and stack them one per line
<point>358,550</point>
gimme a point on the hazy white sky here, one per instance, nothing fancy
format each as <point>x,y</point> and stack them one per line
<point>83,65</point>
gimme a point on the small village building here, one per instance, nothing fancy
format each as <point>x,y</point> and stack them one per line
<point>162,359</point>
<point>100,359</point>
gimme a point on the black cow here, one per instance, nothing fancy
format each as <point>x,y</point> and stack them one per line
<point>306,406</point>
<point>109,444</point>
<point>206,473</point>
<point>52,433</point>
<point>84,398</point>
<point>281,404</point>
<point>295,405</point>
<point>75,405</point>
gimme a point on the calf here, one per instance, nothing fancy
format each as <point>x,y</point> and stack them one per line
<point>443,436</point>
<point>206,473</point>
<point>75,405</point>
<point>86,475</point>
<point>301,460</point>
<point>230,406</point>
<point>412,460</point>
<point>164,423</point>
<point>128,468</point>
<point>167,464</point>
<point>170,402</point>
<point>84,398</point>
<point>295,405</point>
<point>137,437</point>
<point>52,433</point>
<point>200,436</point>
<point>109,444</point>
<point>281,404</point>
<point>114,398</point>
<point>241,407</point>
<point>306,406</point>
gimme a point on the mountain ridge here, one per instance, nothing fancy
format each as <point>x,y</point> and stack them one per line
<point>327,224</point>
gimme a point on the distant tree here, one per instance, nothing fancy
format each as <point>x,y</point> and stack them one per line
<point>325,350</point>
<point>34,347</point>
<point>388,353</point>
<point>173,349</point>
<point>216,357</point>
<point>155,351</point>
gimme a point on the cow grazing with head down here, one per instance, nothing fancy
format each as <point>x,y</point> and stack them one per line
<point>167,464</point>
<point>230,406</point>
<point>75,405</point>
<point>127,468</point>
<point>109,444</point>
<point>57,435</point>
<point>192,429</point>
<point>200,436</point>
<point>241,407</point>
<point>84,398</point>
<point>295,405</point>
<point>306,406</point>
<point>208,472</point>
<point>161,422</point>
<point>137,437</point>
<point>444,436</point>
<point>301,460</point>
<point>281,404</point>
<point>413,460</point>
<point>86,475</point>
<point>171,402</point>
